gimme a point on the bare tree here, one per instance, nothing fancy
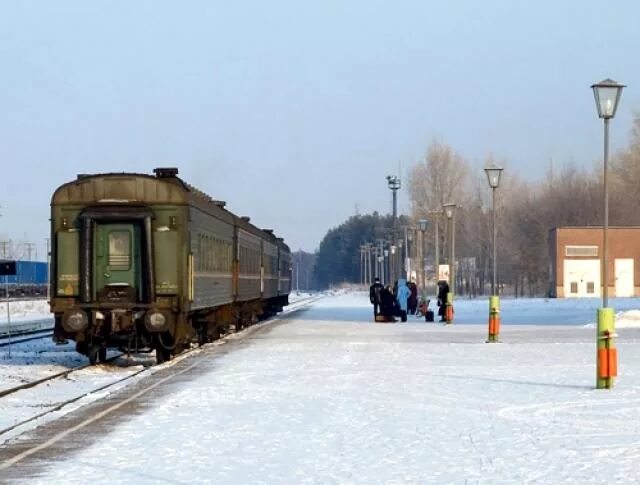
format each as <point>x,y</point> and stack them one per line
<point>442,177</point>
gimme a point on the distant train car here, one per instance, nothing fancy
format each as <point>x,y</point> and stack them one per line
<point>141,261</point>
<point>30,280</point>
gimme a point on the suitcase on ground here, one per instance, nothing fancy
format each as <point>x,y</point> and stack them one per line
<point>428,316</point>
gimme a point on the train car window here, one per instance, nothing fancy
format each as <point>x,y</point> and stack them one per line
<point>119,250</point>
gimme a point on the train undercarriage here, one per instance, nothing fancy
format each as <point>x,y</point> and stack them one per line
<point>139,330</point>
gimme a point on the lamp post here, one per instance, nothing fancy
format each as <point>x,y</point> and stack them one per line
<point>422,225</point>
<point>408,249</point>
<point>386,270</point>
<point>380,260</point>
<point>450,211</point>
<point>493,177</point>
<point>436,260</point>
<point>393,182</point>
<point>399,257</point>
<point>607,96</point>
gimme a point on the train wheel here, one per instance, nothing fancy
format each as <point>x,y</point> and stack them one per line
<point>202,334</point>
<point>93,352</point>
<point>162,353</point>
<point>82,348</point>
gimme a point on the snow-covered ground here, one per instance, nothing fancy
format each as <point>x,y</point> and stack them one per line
<point>25,310</point>
<point>329,397</point>
<point>36,359</point>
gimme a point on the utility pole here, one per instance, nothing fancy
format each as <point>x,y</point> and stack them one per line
<point>29,247</point>
<point>298,272</point>
<point>367,264</point>
<point>361,250</point>
<point>5,248</point>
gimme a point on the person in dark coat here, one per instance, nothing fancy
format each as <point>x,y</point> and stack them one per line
<point>443,292</point>
<point>387,303</point>
<point>413,299</point>
<point>374,296</point>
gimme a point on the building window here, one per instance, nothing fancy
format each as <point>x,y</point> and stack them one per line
<point>581,251</point>
<point>574,288</point>
<point>591,287</point>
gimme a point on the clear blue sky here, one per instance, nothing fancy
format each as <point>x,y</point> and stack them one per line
<point>294,111</point>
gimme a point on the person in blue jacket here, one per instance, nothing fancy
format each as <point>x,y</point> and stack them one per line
<point>403,298</point>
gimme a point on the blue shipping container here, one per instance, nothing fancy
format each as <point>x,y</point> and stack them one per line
<point>28,273</point>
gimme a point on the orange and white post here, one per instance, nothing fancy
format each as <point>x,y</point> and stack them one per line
<point>494,319</point>
<point>448,310</point>
<point>607,356</point>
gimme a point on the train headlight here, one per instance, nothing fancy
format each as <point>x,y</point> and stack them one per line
<point>155,321</point>
<point>75,321</point>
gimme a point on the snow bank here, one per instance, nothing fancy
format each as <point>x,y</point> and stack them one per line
<point>25,310</point>
<point>630,319</point>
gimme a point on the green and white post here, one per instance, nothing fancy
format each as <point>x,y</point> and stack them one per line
<point>448,311</point>
<point>607,354</point>
<point>494,319</point>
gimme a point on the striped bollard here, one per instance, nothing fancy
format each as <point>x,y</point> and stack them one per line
<point>607,357</point>
<point>494,319</point>
<point>448,310</point>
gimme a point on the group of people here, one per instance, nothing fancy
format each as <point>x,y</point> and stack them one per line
<point>401,300</point>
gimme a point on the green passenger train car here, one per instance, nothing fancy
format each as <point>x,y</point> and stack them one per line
<point>149,262</point>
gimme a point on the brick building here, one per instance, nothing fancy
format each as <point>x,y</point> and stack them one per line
<point>575,254</point>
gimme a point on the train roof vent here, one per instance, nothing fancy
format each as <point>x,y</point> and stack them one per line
<point>280,239</point>
<point>270,231</point>
<point>245,218</point>
<point>165,173</point>
<point>219,203</point>
<point>83,176</point>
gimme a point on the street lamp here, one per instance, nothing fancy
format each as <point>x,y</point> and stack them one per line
<point>387,269</point>
<point>399,263</point>
<point>422,225</point>
<point>394,184</point>
<point>493,177</point>
<point>408,249</point>
<point>450,211</point>
<point>607,96</point>
<point>436,260</point>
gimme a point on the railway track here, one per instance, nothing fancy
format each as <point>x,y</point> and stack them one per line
<point>293,307</point>
<point>64,403</point>
<point>20,337</point>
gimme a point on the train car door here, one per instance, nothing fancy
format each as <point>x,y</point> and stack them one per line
<point>116,256</point>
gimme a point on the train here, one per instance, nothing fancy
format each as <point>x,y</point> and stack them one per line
<point>144,262</point>
<point>31,279</point>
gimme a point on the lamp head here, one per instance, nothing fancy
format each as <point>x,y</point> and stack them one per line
<point>449,210</point>
<point>493,176</point>
<point>607,94</point>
